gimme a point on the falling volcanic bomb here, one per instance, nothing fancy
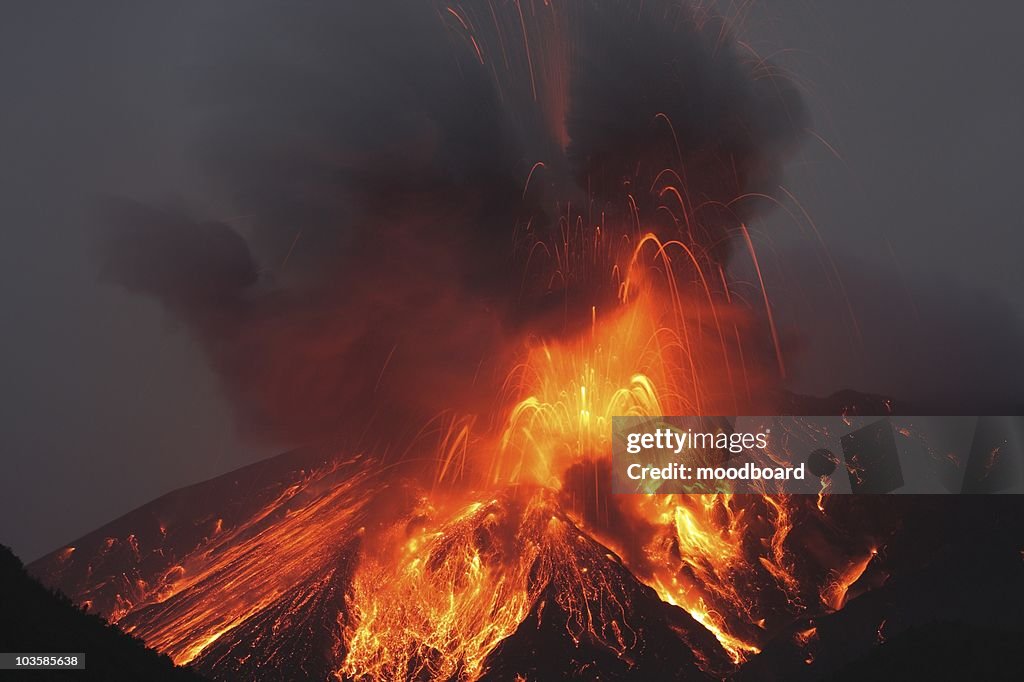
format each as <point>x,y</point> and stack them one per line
<point>469,322</point>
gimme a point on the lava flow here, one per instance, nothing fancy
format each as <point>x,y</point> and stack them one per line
<point>499,551</point>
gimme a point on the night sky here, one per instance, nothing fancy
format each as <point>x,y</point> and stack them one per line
<point>910,178</point>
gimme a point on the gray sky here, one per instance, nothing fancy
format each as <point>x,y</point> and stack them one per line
<point>109,403</point>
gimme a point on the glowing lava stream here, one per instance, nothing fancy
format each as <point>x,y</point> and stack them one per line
<point>239,572</point>
<point>462,588</point>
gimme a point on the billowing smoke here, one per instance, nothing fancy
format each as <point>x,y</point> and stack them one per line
<point>659,86</point>
<point>380,260</point>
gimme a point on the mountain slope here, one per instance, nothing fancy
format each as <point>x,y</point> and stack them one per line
<point>35,620</point>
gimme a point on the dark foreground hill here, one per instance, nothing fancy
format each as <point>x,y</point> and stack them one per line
<point>35,620</point>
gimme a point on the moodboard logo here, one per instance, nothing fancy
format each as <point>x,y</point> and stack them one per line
<point>811,455</point>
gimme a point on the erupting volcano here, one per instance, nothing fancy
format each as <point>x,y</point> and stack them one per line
<point>554,228</point>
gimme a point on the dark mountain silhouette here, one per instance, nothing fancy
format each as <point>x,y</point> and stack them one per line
<point>34,619</point>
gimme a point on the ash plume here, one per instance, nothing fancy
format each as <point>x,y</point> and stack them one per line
<point>379,164</point>
<point>661,85</point>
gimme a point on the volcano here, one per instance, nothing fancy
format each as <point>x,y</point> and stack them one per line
<point>291,569</point>
<point>251,576</point>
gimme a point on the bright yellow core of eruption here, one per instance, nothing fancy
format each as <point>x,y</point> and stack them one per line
<point>573,391</point>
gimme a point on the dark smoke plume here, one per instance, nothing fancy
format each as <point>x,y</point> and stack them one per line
<point>379,163</point>
<point>657,86</point>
